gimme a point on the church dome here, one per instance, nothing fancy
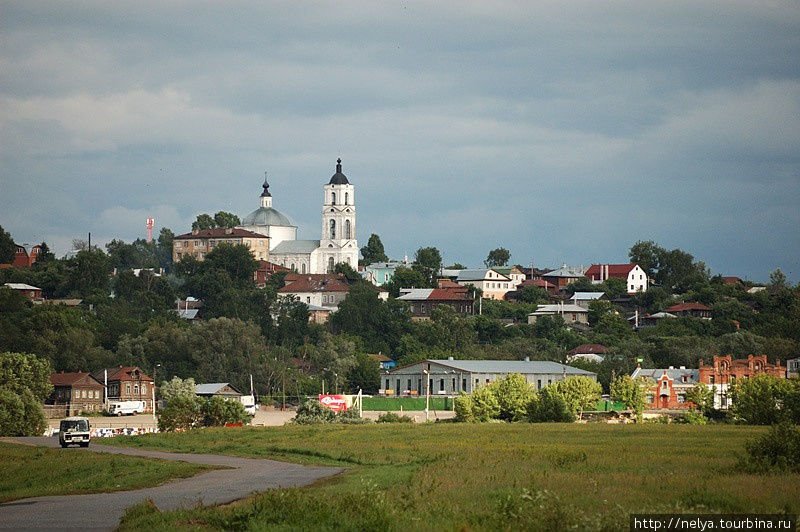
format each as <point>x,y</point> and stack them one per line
<point>267,216</point>
<point>338,178</point>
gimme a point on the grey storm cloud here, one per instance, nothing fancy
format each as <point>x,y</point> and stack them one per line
<point>562,131</point>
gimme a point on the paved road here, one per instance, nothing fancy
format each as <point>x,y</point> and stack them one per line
<point>104,510</point>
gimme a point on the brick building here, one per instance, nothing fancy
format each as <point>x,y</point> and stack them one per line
<point>128,383</point>
<point>670,387</point>
<point>724,371</point>
<point>198,243</point>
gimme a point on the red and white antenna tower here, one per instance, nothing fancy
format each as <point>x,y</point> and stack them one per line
<point>150,223</point>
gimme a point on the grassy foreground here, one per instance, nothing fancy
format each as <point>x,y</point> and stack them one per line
<point>483,477</point>
<point>38,471</point>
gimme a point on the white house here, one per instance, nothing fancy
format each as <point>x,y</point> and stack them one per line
<point>494,285</point>
<point>635,277</point>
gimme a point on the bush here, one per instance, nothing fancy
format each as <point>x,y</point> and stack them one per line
<point>550,405</point>
<point>513,395</point>
<point>485,405</point>
<point>21,414</point>
<point>311,412</point>
<point>463,408</point>
<point>777,450</point>
<point>218,411</point>
<point>181,413</point>
<point>391,417</point>
<point>692,418</point>
<point>757,400</point>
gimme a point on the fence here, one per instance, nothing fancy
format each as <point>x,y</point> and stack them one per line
<point>396,404</point>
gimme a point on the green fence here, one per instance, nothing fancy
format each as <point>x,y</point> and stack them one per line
<point>607,406</point>
<point>395,404</point>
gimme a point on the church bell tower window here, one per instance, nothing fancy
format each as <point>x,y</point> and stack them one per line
<point>347,229</point>
<point>333,229</point>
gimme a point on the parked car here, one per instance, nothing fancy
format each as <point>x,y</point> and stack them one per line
<point>118,408</point>
<point>74,430</point>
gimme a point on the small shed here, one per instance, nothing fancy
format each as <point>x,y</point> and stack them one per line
<point>217,389</point>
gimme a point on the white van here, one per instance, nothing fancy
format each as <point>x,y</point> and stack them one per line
<point>119,408</point>
<point>74,430</point>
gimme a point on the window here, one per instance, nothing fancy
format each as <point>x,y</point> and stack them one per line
<point>144,388</point>
<point>681,398</point>
<point>347,200</point>
<point>409,383</point>
<point>419,385</point>
<point>293,268</point>
<point>712,379</point>
<point>308,300</point>
<point>463,385</point>
<point>631,287</point>
<point>549,382</point>
<point>347,229</point>
<point>387,384</point>
<point>453,389</point>
<point>477,382</point>
<point>330,265</point>
<point>303,268</point>
<point>333,229</point>
<point>333,198</point>
<point>538,384</point>
<point>430,383</point>
<point>212,243</point>
<point>664,385</point>
<point>136,389</point>
<point>398,386</point>
<point>128,388</point>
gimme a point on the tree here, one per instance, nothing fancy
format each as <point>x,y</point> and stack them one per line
<point>456,266</point>
<point>24,371</point>
<point>7,247</point>
<point>21,414</point>
<point>203,222</point>
<point>235,259</point>
<point>703,397</point>
<point>364,375</point>
<point>373,252</point>
<point>164,248</point>
<point>405,278</point>
<point>45,255</point>
<point>182,413</point>
<point>88,272</point>
<point>756,400</point>
<point>497,257</point>
<point>550,406</point>
<point>428,262</point>
<point>532,294</point>
<point>463,408</point>
<point>227,220</point>
<point>581,393</point>
<point>217,412</point>
<point>646,254</point>
<point>599,308</point>
<point>175,388</point>
<point>485,405</point>
<point>630,393</point>
<point>345,269</point>
<point>513,393</point>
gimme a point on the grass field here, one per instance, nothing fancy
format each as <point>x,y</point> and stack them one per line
<point>483,477</point>
<point>37,471</point>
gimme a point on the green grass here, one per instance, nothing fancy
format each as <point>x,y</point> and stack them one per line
<point>36,471</point>
<point>483,477</point>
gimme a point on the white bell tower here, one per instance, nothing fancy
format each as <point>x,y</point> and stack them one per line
<point>338,242</point>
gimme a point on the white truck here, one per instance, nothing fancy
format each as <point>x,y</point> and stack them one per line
<point>118,408</point>
<point>74,430</point>
<point>249,403</point>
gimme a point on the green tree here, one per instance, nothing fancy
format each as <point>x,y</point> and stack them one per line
<point>646,254</point>
<point>485,405</point>
<point>24,371</point>
<point>235,259</point>
<point>175,388</point>
<point>227,220</point>
<point>428,262</point>
<point>580,393</point>
<point>88,272</point>
<point>20,414</point>
<point>182,413</point>
<point>703,397</point>
<point>373,252</point>
<point>405,278</point>
<point>164,248</point>
<point>497,257</point>
<point>203,222</point>
<point>599,308</point>
<point>7,247</point>
<point>550,406</point>
<point>350,274</point>
<point>756,400</point>
<point>532,294</point>
<point>630,393</point>
<point>45,255</point>
<point>463,408</point>
<point>364,375</point>
<point>513,393</point>
<point>217,412</point>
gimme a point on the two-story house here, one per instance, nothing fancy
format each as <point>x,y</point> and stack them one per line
<point>492,284</point>
<point>73,393</point>
<point>200,243</point>
<point>635,277</point>
<point>128,383</point>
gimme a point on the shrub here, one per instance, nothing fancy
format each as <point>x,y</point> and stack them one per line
<point>757,400</point>
<point>391,417</point>
<point>550,405</point>
<point>580,393</point>
<point>181,413</point>
<point>485,405</point>
<point>217,412</point>
<point>777,450</point>
<point>513,394</point>
<point>463,408</point>
<point>691,417</point>
<point>21,414</point>
<point>311,412</point>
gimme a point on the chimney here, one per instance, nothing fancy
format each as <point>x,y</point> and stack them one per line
<point>527,359</point>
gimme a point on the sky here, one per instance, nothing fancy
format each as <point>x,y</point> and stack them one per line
<point>562,131</point>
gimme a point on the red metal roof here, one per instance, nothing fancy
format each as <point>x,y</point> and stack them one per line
<point>448,294</point>
<point>541,283</point>
<point>122,373</point>
<point>314,283</point>
<point>689,305</point>
<point>589,348</point>
<point>220,233</point>
<point>614,270</point>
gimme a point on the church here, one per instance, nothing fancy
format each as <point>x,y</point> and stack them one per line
<point>338,237</point>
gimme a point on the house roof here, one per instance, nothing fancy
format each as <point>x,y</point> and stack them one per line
<point>386,265</point>
<point>565,271</point>
<point>732,280</point>
<point>295,246</point>
<point>541,283</point>
<point>478,275</point>
<point>587,296</point>
<point>435,294</point>
<point>689,305</point>
<point>214,388</point>
<point>544,310</point>
<point>509,366</point>
<point>614,270</point>
<point>73,378</point>
<point>220,233</point>
<point>584,349</point>
<point>673,373</point>
<point>659,315</point>
<point>380,357</point>
<point>121,373</point>
<point>21,286</point>
<point>314,283</point>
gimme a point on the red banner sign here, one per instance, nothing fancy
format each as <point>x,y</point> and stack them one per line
<point>337,403</point>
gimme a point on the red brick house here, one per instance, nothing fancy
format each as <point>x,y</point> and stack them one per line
<point>34,293</point>
<point>724,371</point>
<point>73,393</point>
<point>691,309</point>
<point>128,383</point>
<point>424,300</point>
<point>23,259</point>
<point>266,270</point>
<point>670,388</point>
